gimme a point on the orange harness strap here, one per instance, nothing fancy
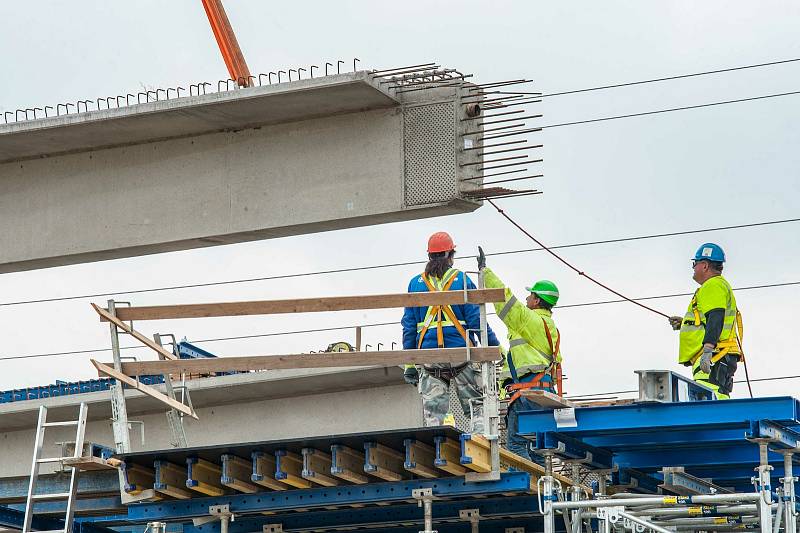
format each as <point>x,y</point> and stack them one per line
<point>438,309</point>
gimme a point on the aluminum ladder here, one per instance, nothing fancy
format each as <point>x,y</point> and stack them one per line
<point>38,460</point>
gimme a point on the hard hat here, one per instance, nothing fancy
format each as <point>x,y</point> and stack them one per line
<point>440,242</point>
<point>710,252</point>
<point>546,290</point>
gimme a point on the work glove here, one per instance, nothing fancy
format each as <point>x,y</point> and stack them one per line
<point>705,360</point>
<point>675,322</point>
<point>481,259</point>
<point>411,375</point>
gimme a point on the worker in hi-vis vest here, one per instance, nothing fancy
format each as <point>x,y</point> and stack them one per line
<point>444,326</point>
<point>533,360</point>
<point>711,330</point>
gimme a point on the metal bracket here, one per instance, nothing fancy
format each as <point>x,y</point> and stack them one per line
<point>611,514</point>
<point>273,528</point>
<point>425,499</point>
<point>473,516</point>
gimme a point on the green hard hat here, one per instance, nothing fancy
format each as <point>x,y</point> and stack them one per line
<point>546,290</point>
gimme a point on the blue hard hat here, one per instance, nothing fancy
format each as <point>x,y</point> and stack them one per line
<point>710,252</point>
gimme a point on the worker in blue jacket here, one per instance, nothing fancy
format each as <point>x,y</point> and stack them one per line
<point>444,326</point>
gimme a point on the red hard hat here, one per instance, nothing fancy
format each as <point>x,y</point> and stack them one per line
<point>439,242</point>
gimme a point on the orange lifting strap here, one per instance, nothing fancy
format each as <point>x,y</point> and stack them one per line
<point>226,40</point>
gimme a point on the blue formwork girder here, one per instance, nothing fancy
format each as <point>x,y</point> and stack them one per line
<point>14,519</point>
<point>106,504</point>
<point>327,496</point>
<point>656,417</point>
<point>693,459</point>
<point>665,439</point>
<point>510,506</point>
<point>782,437</point>
<point>88,483</point>
<point>567,447</point>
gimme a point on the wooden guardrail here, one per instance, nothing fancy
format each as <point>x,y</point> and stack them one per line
<point>308,305</point>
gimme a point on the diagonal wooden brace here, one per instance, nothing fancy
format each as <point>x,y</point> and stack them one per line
<point>105,315</point>
<point>147,389</point>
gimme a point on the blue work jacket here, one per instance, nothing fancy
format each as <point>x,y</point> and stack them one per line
<point>467,314</point>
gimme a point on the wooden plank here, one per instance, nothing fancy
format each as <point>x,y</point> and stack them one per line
<point>420,458</point>
<point>204,477</point>
<point>306,305</point>
<point>264,469</point>
<point>348,464</point>
<point>448,456</point>
<point>147,389</point>
<point>384,462</point>
<point>289,469</point>
<point>317,467</point>
<point>309,360</point>
<point>137,478</point>
<point>546,399</point>
<point>170,479</point>
<point>87,463</point>
<point>108,317</point>
<point>236,473</point>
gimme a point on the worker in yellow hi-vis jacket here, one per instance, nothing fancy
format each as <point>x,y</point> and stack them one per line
<point>711,329</point>
<point>533,360</point>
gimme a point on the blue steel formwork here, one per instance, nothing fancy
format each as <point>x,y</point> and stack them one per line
<point>710,439</point>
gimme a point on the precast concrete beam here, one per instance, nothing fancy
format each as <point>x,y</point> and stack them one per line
<point>270,161</point>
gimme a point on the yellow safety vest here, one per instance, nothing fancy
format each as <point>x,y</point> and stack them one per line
<point>715,293</point>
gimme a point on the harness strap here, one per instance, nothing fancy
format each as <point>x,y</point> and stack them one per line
<point>553,370</point>
<point>438,310</point>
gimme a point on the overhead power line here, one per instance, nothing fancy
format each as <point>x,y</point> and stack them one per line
<point>387,265</point>
<point>669,78</point>
<point>670,110</point>
<point>376,324</point>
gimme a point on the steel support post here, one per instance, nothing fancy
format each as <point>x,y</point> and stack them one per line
<point>174,418</point>
<point>473,516</point>
<point>548,496</point>
<point>490,399</point>
<point>424,499</point>
<point>119,413</point>
<point>788,480</point>
<point>764,487</point>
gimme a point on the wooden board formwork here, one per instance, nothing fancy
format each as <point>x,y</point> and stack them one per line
<point>384,462</point>
<point>348,464</point>
<point>420,459</point>
<point>264,470</point>
<point>236,474</point>
<point>170,479</point>
<point>289,469</point>
<point>317,467</point>
<point>204,477</point>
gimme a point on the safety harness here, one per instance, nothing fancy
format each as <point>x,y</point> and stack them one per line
<point>435,312</point>
<point>553,370</point>
<point>734,340</point>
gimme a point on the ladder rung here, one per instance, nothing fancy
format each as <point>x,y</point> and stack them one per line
<point>54,496</point>
<point>50,460</point>
<point>61,424</point>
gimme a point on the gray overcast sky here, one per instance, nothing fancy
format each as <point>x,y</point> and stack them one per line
<point>702,168</point>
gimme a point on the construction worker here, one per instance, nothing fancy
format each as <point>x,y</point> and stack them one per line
<point>533,360</point>
<point>711,329</point>
<point>444,326</point>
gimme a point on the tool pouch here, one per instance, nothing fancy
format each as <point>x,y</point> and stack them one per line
<point>722,373</point>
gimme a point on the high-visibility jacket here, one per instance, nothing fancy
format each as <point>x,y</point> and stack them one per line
<point>715,293</point>
<point>442,326</point>
<point>532,334</point>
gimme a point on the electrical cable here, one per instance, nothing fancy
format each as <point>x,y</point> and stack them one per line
<point>668,78</point>
<point>684,108</point>
<point>389,265</point>
<point>569,265</point>
<point>376,324</point>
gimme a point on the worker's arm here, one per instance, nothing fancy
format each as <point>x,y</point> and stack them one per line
<point>714,320</point>
<point>472,316</point>
<point>511,311</point>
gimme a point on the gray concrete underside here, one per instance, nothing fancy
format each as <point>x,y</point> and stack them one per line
<point>265,162</point>
<point>232,409</point>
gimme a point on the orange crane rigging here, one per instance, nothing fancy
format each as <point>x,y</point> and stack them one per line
<point>228,45</point>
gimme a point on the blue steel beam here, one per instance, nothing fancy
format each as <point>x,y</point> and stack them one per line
<point>12,489</point>
<point>14,519</point>
<point>106,504</point>
<point>638,418</point>
<point>568,447</point>
<point>322,497</point>
<point>376,516</point>
<point>693,458</point>
<point>782,437</point>
<point>667,439</point>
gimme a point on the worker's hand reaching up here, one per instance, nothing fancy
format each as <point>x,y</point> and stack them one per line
<point>675,322</point>
<point>481,259</point>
